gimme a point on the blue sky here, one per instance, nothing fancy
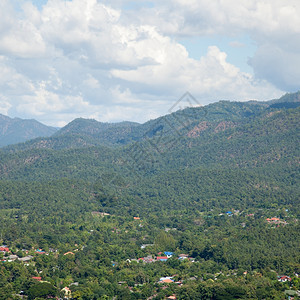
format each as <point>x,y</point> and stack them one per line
<point>132,60</point>
<point>238,49</point>
<point>197,46</point>
<point>39,3</point>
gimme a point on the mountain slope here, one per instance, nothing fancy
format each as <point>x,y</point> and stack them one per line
<point>227,153</point>
<point>250,162</point>
<point>86,133</point>
<point>17,130</point>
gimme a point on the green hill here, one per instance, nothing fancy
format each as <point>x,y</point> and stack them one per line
<point>17,130</point>
<point>218,185</point>
<point>250,148</point>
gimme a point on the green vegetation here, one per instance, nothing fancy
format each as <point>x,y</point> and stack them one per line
<point>218,186</point>
<point>17,130</point>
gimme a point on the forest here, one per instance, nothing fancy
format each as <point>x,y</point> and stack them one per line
<point>199,204</point>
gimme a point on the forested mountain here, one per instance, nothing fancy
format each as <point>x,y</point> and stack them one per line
<point>252,141</point>
<point>190,121</point>
<point>17,130</point>
<point>219,183</point>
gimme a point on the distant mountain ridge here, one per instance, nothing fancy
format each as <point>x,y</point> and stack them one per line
<point>16,130</point>
<point>88,132</point>
<point>232,154</point>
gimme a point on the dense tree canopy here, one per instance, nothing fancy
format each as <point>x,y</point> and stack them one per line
<point>222,194</point>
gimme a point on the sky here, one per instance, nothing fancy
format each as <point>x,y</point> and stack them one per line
<point>128,60</point>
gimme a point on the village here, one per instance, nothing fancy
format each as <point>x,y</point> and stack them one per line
<point>28,258</point>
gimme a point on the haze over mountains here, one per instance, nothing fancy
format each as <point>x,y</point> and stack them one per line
<point>16,130</point>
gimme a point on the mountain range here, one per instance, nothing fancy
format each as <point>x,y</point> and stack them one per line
<point>225,154</point>
<point>16,130</point>
<point>217,184</point>
<point>88,132</point>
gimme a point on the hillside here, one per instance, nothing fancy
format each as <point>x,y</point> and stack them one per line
<point>250,143</point>
<point>202,203</point>
<point>17,130</point>
<point>82,133</point>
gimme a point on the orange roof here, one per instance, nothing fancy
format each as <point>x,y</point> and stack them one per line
<point>37,278</point>
<point>272,219</point>
<point>167,280</point>
<point>136,218</point>
<point>69,253</point>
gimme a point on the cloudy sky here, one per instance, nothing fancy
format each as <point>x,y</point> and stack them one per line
<point>132,60</point>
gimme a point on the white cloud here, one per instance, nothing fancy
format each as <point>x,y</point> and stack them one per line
<point>280,67</point>
<point>236,44</point>
<point>92,58</point>
<point>4,105</point>
<point>91,82</point>
<point>206,78</point>
<point>272,25</point>
<point>20,37</point>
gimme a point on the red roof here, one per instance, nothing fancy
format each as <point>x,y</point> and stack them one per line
<point>4,249</point>
<point>37,278</point>
<point>161,257</point>
<point>285,278</point>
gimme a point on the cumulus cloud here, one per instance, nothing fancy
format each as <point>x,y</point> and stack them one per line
<point>274,26</point>
<point>100,59</point>
<point>20,37</point>
<point>206,78</point>
<point>281,67</point>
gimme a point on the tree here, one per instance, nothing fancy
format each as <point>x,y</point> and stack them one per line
<point>41,289</point>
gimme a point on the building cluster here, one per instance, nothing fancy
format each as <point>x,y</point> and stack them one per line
<point>162,256</point>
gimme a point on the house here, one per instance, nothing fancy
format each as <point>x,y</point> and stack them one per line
<point>26,258</point>
<point>69,253</point>
<point>146,245</point>
<point>148,259</point>
<point>136,218</point>
<point>168,254</point>
<point>183,256</point>
<point>166,280</point>
<point>172,297</point>
<point>273,220</point>
<point>74,283</point>
<point>67,292</point>
<point>162,258</point>
<point>284,278</point>
<point>38,278</point>
<point>4,249</point>
<point>98,213</point>
<point>12,257</point>
<point>39,251</point>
